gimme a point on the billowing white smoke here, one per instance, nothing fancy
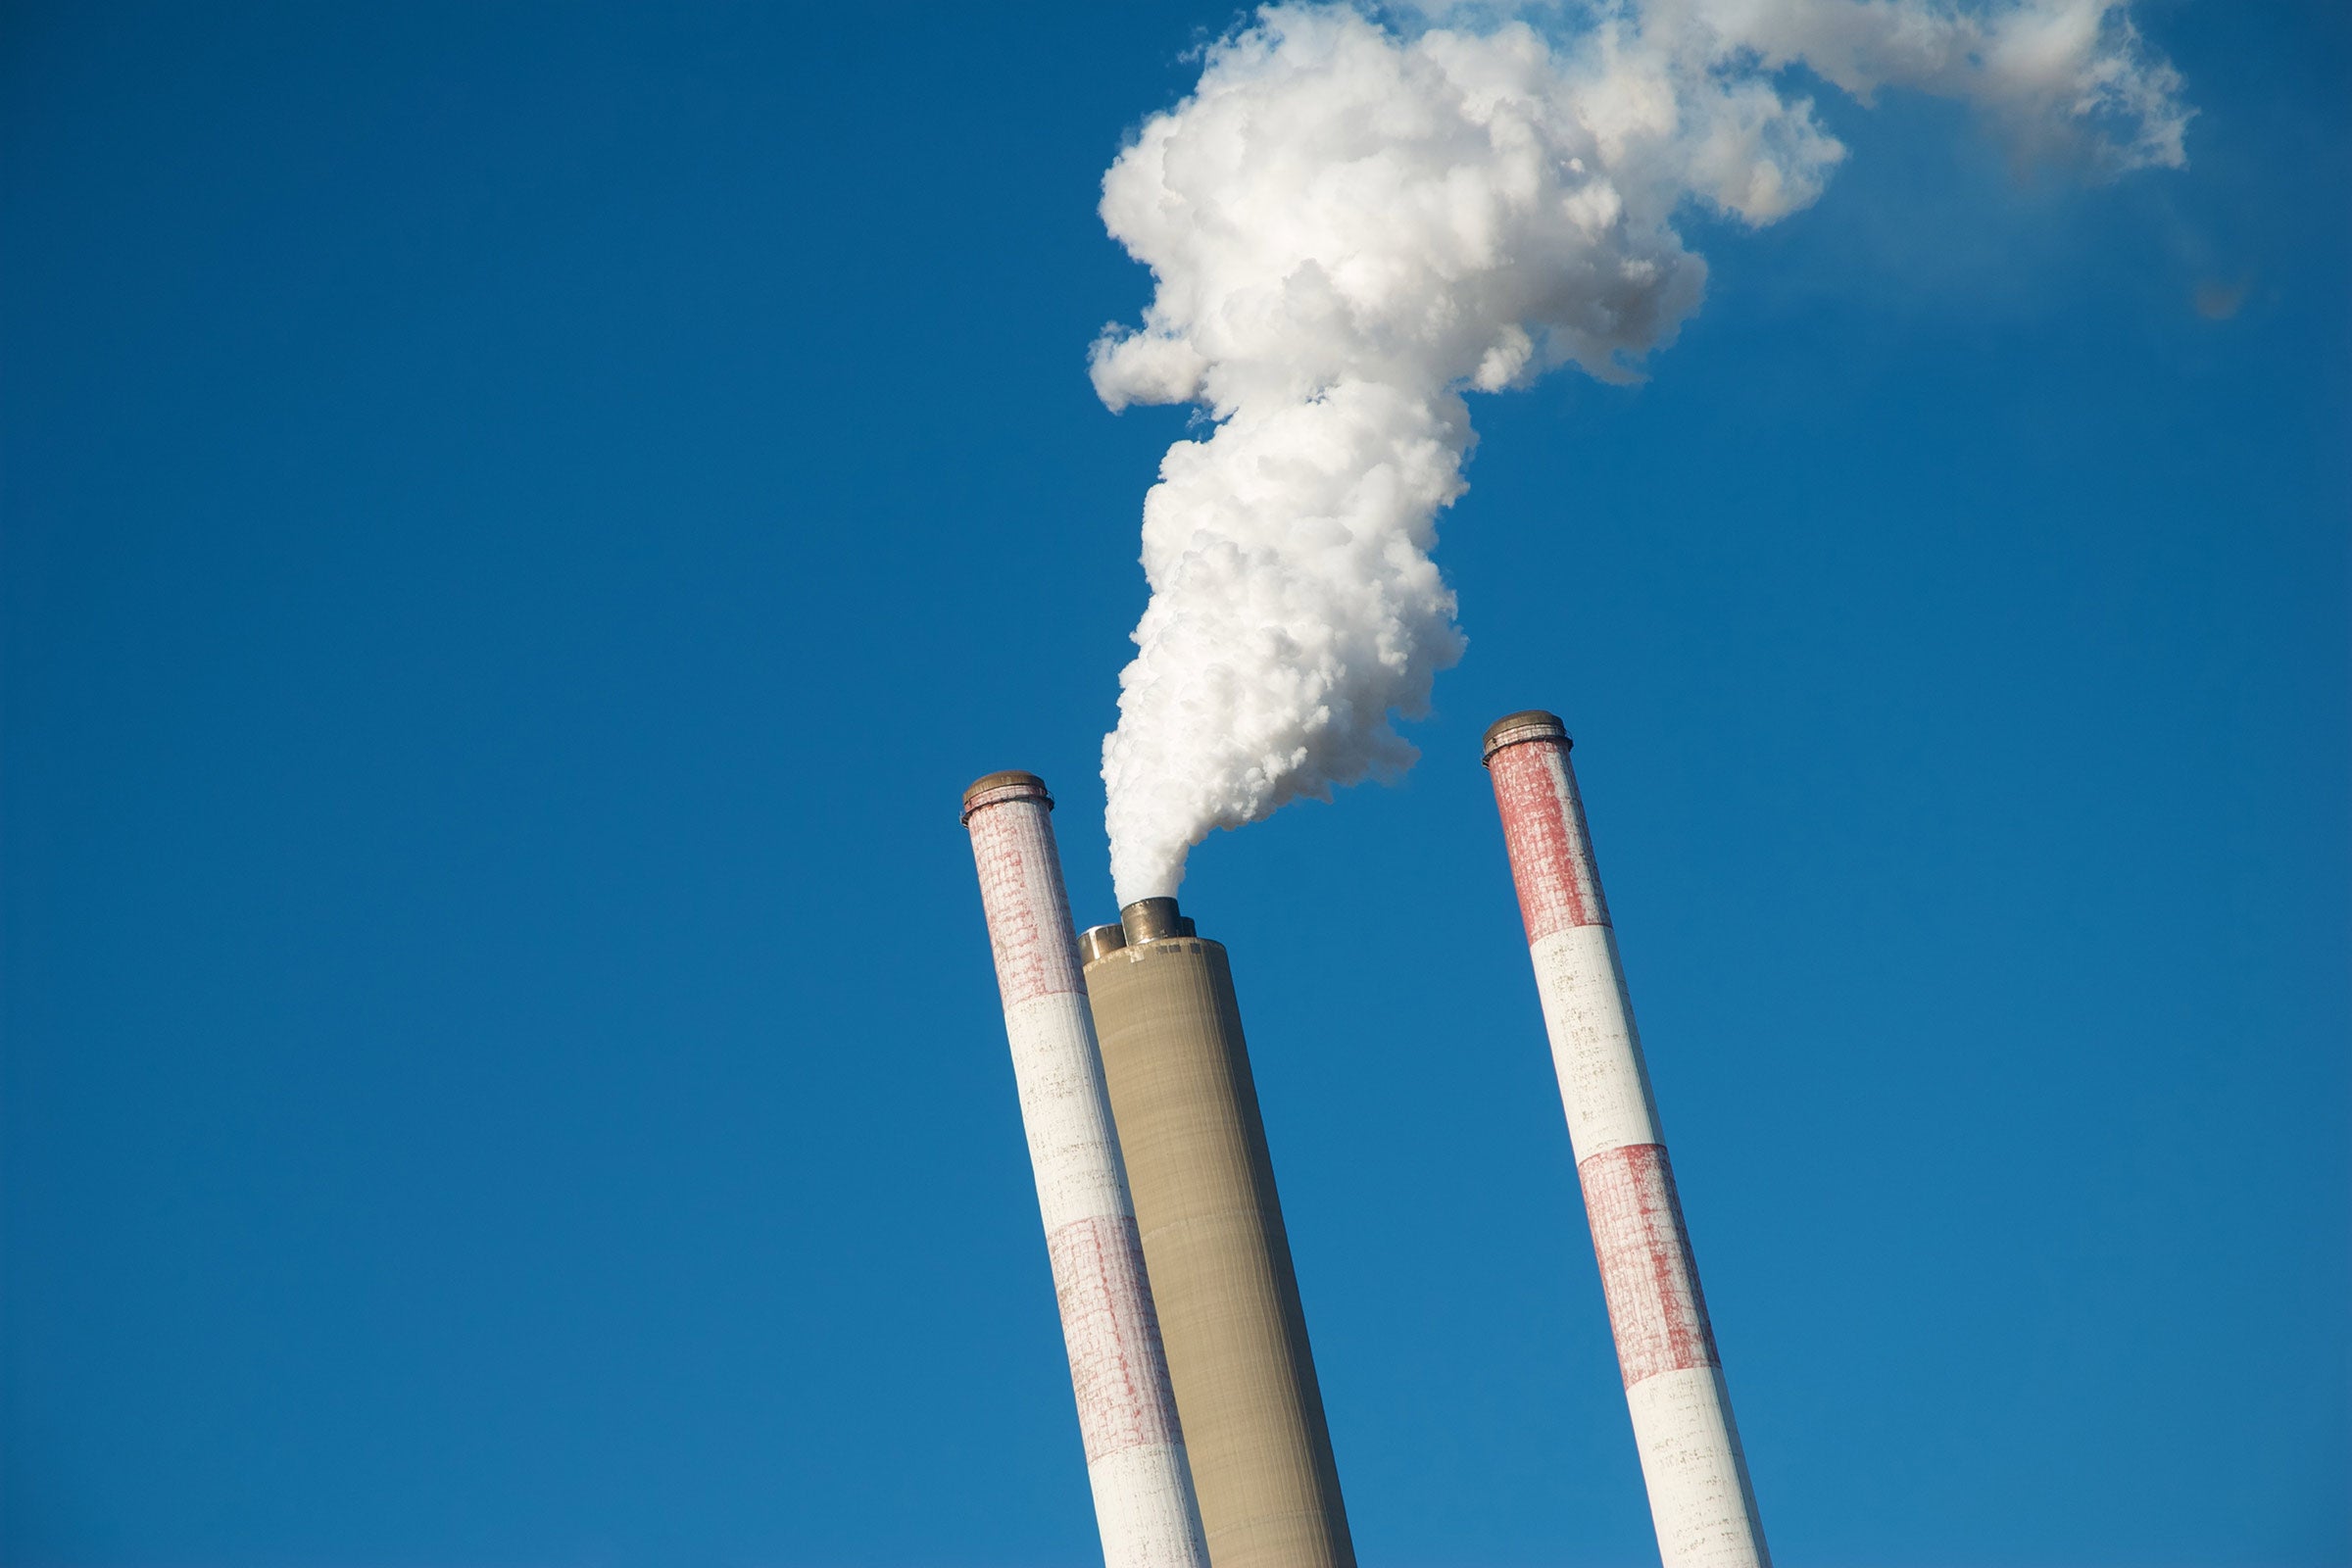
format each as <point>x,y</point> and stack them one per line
<point>1351,226</point>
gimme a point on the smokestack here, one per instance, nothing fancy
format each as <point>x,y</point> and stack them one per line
<point>1212,1232</point>
<point>1700,1501</point>
<point>1135,1458</point>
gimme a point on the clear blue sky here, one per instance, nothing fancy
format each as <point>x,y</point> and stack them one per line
<point>519,521</point>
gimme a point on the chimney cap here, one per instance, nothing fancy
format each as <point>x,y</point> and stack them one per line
<point>993,789</point>
<point>1098,940</point>
<point>1154,921</point>
<point>1528,724</point>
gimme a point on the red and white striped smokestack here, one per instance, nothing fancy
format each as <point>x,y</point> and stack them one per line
<point>1134,1457</point>
<point>1700,1501</point>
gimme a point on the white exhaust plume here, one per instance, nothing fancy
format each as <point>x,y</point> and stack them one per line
<point>1351,226</point>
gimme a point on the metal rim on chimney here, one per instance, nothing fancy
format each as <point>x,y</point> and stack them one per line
<point>1528,724</point>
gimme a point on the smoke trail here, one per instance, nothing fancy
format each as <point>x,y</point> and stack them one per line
<point>1349,228</point>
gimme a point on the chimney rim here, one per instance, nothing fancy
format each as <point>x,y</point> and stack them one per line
<point>1528,724</point>
<point>995,789</point>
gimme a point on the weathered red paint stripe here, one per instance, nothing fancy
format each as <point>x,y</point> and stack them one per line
<point>1655,1308</point>
<point>1112,1334</point>
<point>1544,828</point>
<point>1020,884</point>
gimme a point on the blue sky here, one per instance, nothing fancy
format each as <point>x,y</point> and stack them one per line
<point>521,522</point>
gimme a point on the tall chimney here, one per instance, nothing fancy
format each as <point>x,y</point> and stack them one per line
<point>1135,1459</point>
<point>1700,1501</point>
<point>1212,1232</point>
